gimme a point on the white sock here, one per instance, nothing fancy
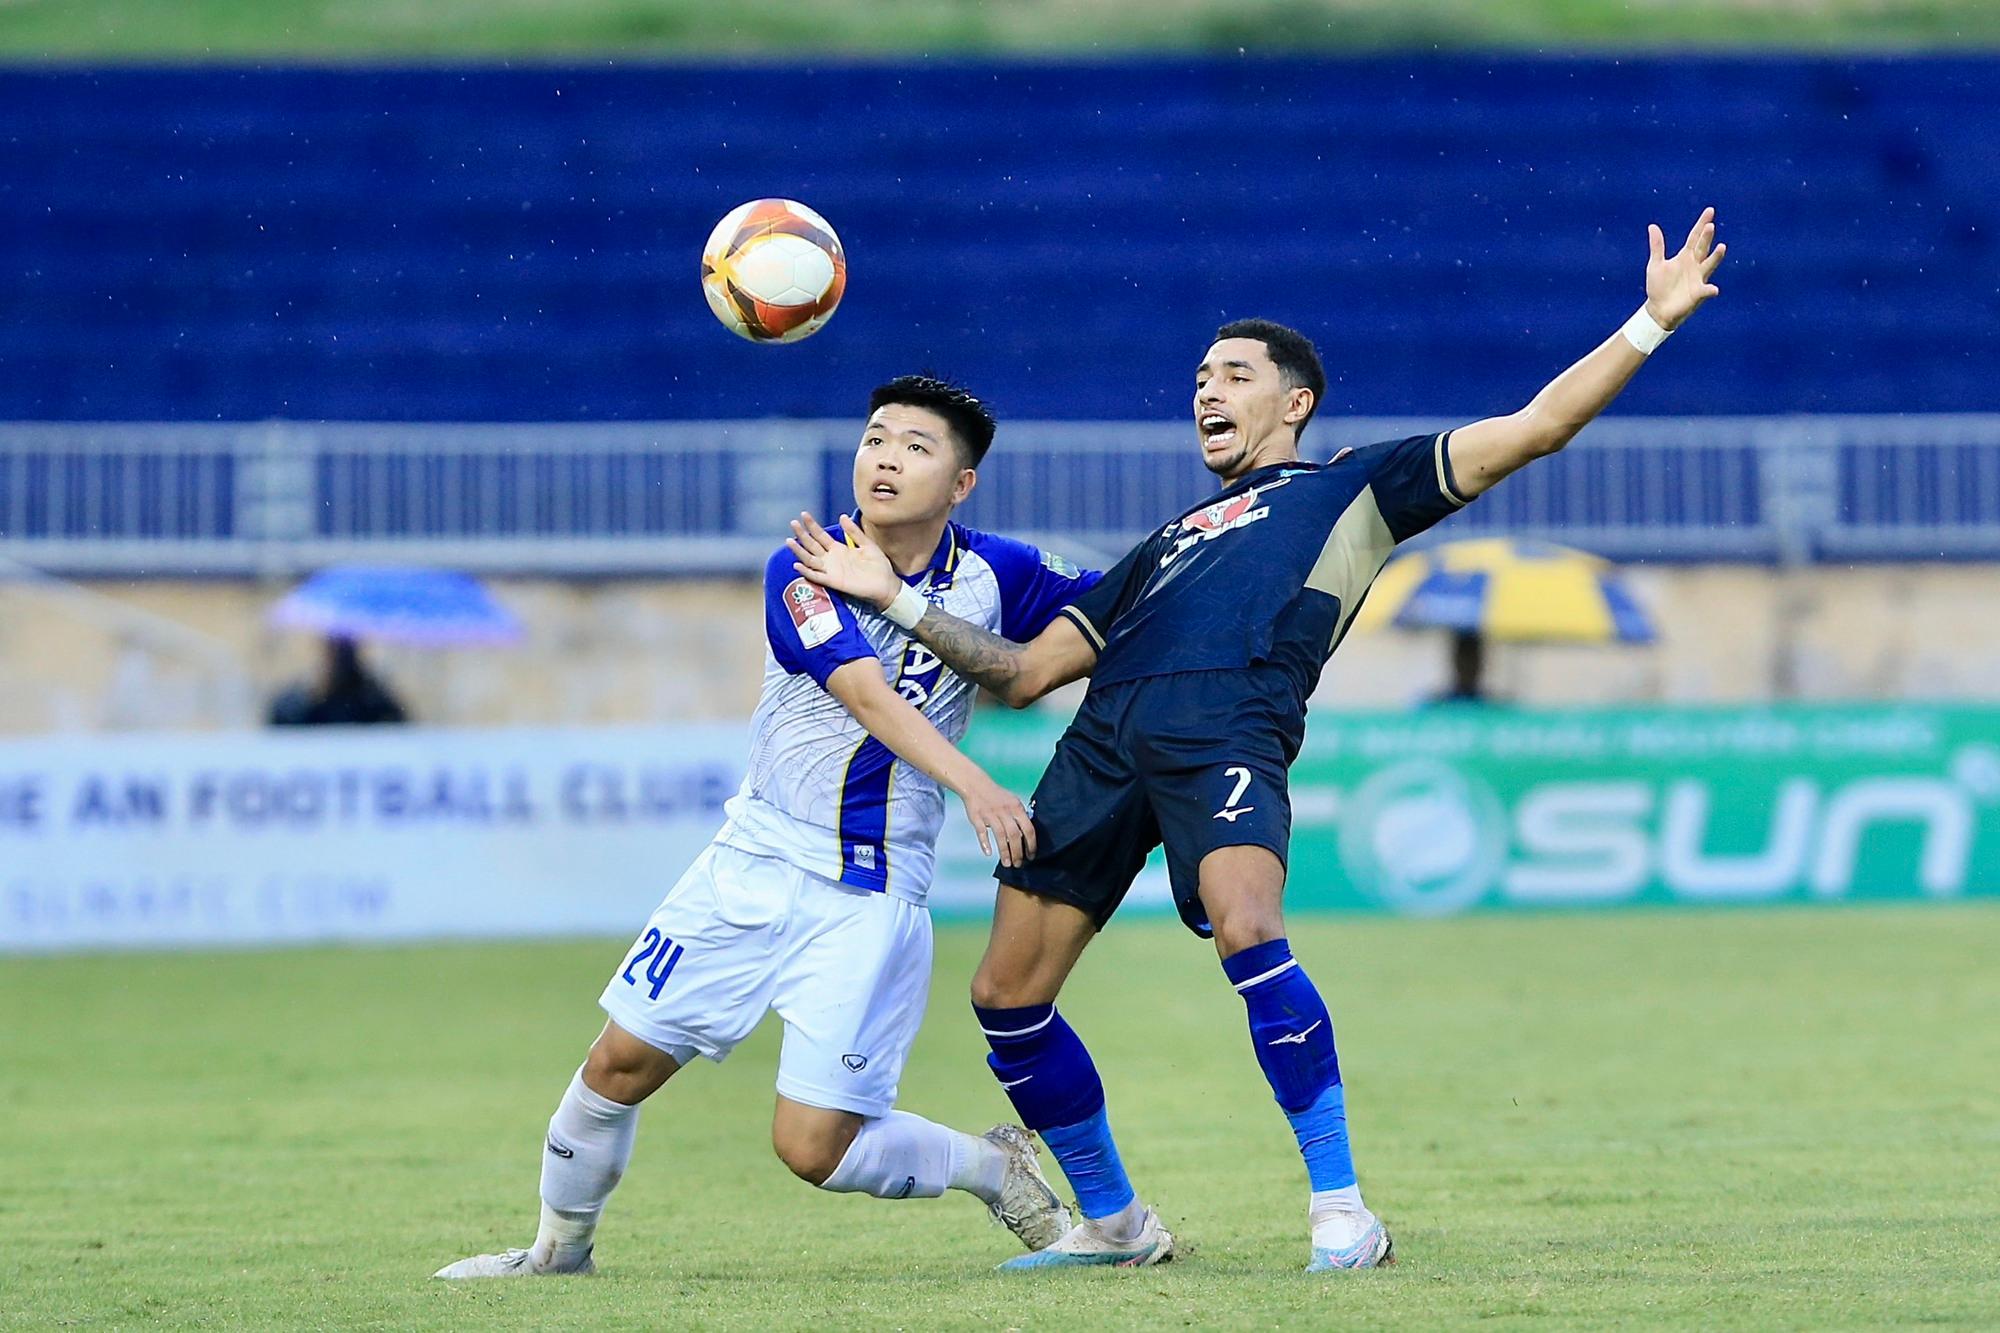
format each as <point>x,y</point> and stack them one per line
<point>563,1237</point>
<point>1330,1203</point>
<point>1123,1225</point>
<point>980,1169</point>
<point>589,1143</point>
<point>904,1156</point>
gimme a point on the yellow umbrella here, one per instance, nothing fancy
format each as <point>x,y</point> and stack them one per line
<point>1507,589</point>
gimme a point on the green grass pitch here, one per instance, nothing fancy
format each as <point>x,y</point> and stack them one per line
<point>678,29</point>
<point>1746,1119</point>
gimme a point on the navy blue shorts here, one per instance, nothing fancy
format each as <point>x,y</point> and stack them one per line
<point>1196,760</point>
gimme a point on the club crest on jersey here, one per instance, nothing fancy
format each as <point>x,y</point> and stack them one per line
<point>1211,521</point>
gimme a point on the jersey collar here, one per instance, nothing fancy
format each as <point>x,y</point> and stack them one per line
<point>1258,475</point>
<point>944,560</point>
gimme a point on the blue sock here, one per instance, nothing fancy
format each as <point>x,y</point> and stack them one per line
<point>1045,1071</point>
<point>1293,1035</point>
<point>1090,1161</point>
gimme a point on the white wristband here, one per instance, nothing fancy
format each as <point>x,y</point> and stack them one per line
<point>907,608</point>
<point>1644,332</point>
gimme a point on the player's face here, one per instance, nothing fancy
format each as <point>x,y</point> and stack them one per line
<point>1242,409</point>
<point>907,469</point>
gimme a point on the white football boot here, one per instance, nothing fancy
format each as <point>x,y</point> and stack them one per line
<point>1351,1240</point>
<point>1027,1205</point>
<point>514,1263</point>
<point>1084,1245</point>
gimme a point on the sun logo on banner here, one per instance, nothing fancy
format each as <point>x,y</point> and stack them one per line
<point>1423,837</point>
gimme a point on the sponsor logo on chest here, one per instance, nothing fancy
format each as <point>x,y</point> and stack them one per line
<point>1211,521</point>
<point>917,678</point>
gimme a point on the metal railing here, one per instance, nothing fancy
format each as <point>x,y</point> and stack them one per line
<point>280,498</point>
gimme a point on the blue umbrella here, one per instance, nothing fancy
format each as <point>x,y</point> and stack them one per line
<point>430,607</point>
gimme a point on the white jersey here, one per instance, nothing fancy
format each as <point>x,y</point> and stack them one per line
<point>820,792</point>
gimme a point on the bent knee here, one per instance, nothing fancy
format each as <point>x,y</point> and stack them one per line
<point>811,1156</point>
<point>625,1069</point>
<point>1000,987</point>
<point>991,990</point>
<point>1246,930</point>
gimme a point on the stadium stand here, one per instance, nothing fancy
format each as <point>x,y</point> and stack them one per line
<point>518,244</point>
<point>212,246</point>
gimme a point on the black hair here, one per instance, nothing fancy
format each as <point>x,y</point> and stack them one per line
<point>1291,352</point>
<point>971,421</point>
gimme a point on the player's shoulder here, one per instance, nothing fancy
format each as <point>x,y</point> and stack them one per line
<point>782,578</point>
<point>1381,451</point>
<point>799,595</point>
<point>995,549</point>
<point>1413,471</point>
<point>1009,557</point>
<point>778,566</point>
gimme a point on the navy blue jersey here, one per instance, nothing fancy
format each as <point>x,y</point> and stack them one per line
<point>1271,570</point>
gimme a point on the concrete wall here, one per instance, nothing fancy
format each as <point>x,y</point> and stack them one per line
<point>1735,634</point>
<point>196,655</point>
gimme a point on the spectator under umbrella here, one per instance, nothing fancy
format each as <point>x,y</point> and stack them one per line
<point>1504,589</point>
<point>431,608</point>
<point>346,694</point>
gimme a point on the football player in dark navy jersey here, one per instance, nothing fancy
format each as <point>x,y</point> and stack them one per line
<point>1202,646</point>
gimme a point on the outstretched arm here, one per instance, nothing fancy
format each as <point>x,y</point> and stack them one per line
<point>1485,451</point>
<point>1017,673</point>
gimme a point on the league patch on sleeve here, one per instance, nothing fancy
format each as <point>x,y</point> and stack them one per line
<point>812,612</point>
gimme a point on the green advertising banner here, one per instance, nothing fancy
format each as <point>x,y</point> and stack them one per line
<point>1458,809</point>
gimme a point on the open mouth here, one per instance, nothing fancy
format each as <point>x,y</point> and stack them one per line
<point>1216,430</point>
<point>882,490</point>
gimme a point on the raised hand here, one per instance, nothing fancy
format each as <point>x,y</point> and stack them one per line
<point>1676,287</point>
<point>856,566</point>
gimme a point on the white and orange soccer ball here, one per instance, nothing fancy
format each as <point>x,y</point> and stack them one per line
<point>773,271</point>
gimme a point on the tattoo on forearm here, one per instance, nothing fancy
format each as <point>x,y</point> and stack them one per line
<point>979,655</point>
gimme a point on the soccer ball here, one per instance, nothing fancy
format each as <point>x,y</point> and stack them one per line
<point>773,271</point>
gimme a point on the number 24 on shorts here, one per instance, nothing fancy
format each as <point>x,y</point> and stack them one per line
<point>660,955</point>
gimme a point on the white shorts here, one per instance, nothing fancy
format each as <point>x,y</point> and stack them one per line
<point>740,935</point>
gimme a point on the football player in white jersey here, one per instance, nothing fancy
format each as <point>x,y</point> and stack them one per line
<point>810,899</point>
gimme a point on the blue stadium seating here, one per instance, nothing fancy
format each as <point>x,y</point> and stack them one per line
<point>520,243</point>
